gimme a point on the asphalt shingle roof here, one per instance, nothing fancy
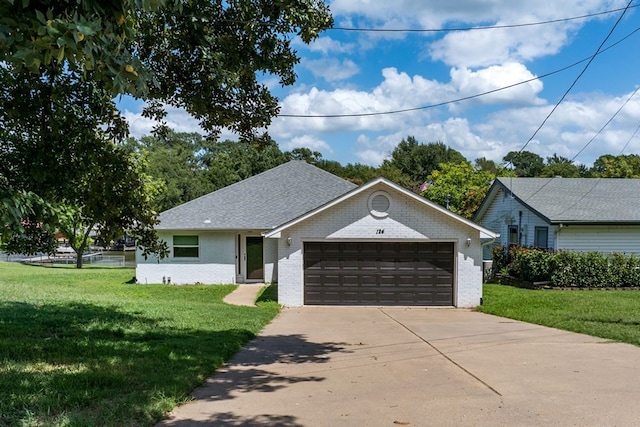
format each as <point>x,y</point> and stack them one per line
<point>579,200</point>
<point>261,202</point>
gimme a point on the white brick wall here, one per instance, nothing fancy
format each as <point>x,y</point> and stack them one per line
<point>215,265</point>
<point>270,260</point>
<point>408,220</point>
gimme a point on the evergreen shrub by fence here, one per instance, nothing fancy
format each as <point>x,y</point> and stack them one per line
<point>569,269</point>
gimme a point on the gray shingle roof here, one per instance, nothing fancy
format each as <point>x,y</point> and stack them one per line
<point>261,202</point>
<point>579,200</point>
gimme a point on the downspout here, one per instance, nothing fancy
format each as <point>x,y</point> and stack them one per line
<point>520,228</point>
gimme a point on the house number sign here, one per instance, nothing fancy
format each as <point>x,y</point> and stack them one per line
<point>380,231</point>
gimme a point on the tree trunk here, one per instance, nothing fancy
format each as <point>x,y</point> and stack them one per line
<point>79,252</point>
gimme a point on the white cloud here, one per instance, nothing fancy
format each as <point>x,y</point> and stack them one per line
<point>454,132</point>
<point>332,69</point>
<point>399,91</point>
<point>477,48</point>
<point>327,45</point>
<point>469,83</point>
<point>306,141</point>
<point>177,120</point>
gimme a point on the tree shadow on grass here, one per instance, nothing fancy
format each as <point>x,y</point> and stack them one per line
<point>87,364</point>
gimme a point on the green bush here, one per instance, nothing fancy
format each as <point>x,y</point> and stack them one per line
<point>574,269</point>
<point>564,272</point>
<point>499,257</point>
<point>624,270</point>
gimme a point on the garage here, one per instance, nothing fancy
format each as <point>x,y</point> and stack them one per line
<point>379,273</point>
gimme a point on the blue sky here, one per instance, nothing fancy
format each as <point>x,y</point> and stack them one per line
<point>355,72</point>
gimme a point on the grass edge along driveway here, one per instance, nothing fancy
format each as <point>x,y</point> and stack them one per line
<point>610,314</point>
<point>86,348</point>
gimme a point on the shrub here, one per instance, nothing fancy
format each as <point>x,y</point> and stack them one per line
<point>573,269</point>
<point>564,269</point>
<point>532,265</point>
<point>499,257</point>
<point>624,270</point>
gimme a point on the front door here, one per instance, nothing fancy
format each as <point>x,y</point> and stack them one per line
<point>255,260</point>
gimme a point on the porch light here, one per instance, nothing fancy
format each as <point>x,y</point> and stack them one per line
<point>468,241</point>
<point>289,240</point>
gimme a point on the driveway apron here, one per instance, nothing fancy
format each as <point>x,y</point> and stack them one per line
<point>364,366</point>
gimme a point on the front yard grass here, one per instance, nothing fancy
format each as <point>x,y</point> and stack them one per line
<point>611,314</point>
<point>85,348</point>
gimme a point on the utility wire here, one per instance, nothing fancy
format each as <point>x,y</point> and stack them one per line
<point>606,124</point>
<point>466,98</point>
<point>635,132</point>
<point>482,27</point>
<point>596,182</point>
<point>555,107</point>
<point>598,51</point>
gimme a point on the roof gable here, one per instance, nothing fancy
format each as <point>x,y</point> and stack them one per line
<point>261,202</point>
<point>574,200</point>
<point>484,233</point>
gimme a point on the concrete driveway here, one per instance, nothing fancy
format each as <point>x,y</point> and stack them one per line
<point>334,366</point>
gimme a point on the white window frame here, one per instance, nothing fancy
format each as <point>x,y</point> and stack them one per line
<point>179,246</point>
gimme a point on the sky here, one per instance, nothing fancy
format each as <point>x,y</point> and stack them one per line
<point>377,73</point>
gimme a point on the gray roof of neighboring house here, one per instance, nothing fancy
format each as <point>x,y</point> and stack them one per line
<point>579,200</point>
<point>261,202</point>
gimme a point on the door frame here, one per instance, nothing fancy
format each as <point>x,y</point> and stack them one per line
<point>242,257</point>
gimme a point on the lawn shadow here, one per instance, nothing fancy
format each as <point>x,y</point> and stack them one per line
<point>78,357</point>
<point>64,357</point>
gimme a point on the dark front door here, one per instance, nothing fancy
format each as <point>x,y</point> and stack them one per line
<point>378,273</point>
<point>255,260</point>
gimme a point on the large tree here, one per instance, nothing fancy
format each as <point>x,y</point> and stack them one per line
<point>57,139</point>
<point>621,166</point>
<point>412,162</point>
<point>206,56</point>
<point>560,166</point>
<point>460,187</point>
<point>525,163</point>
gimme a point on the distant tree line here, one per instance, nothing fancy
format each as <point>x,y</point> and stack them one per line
<point>187,166</point>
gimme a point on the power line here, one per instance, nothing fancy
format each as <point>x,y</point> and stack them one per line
<point>595,184</point>
<point>562,98</point>
<point>555,107</point>
<point>606,124</point>
<point>481,27</point>
<point>466,98</point>
<point>635,132</point>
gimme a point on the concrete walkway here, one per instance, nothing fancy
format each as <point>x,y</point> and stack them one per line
<point>344,366</point>
<point>245,294</point>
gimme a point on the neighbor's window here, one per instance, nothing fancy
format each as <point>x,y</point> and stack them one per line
<point>185,247</point>
<point>542,237</point>
<point>513,235</point>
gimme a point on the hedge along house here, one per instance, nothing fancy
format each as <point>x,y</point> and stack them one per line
<point>324,241</point>
<point>576,214</point>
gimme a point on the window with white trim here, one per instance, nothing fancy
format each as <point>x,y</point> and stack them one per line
<point>542,237</point>
<point>186,247</point>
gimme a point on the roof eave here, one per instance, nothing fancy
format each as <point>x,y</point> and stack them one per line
<point>483,231</point>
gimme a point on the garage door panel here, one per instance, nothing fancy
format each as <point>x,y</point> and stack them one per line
<point>379,273</point>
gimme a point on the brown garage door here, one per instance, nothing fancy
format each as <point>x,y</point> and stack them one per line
<point>378,273</point>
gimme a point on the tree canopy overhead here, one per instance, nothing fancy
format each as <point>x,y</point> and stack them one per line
<point>205,56</point>
<point>69,58</point>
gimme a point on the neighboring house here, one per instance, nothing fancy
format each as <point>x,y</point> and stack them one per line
<point>324,240</point>
<point>576,214</point>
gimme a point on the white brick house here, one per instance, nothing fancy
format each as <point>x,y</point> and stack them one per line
<point>331,242</point>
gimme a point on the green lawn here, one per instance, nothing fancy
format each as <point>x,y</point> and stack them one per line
<point>612,314</point>
<point>86,348</point>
